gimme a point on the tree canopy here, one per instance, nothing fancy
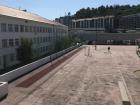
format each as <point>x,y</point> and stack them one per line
<point>116,10</point>
<point>25,51</point>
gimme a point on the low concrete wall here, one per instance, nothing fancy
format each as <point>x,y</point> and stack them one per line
<point>3,89</point>
<point>7,77</point>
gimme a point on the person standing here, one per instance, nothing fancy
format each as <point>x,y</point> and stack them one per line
<point>109,49</point>
<point>95,47</point>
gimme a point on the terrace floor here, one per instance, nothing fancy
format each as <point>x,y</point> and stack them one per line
<point>87,78</point>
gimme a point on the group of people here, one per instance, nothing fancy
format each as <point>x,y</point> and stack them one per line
<point>88,52</point>
<point>107,48</point>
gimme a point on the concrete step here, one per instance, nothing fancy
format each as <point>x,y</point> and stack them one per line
<point>124,94</point>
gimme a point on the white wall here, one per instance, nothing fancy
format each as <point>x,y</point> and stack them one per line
<point>19,35</point>
<point>7,77</point>
<point>3,89</point>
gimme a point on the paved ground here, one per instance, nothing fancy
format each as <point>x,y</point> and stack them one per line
<point>84,79</point>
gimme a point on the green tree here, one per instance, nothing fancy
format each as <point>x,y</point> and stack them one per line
<point>65,42</point>
<point>25,51</point>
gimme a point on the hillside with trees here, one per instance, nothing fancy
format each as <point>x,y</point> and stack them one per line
<point>116,10</point>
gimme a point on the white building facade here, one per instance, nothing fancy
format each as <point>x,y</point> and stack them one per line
<point>17,24</point>
<point>93,24</point>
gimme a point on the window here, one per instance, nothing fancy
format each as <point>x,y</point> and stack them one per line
<point>38,40</point>
<point>50,30</point>
<point>3,27</point>
<point>46,39</point>
<point>31,29</point>
<point>26,28</point>
<point>47,30</point>
<point>34,29</point>
<point>10,28</point>
<point>43,39</point>
<point>40,50</point>
<point>35,40</point>
<point>38,29</point>
<point>16,28</point>
<point>44,29</point>
<point>46,48</point>
<point>12,57</point>
<point>11,42</point>
<point>21,28</point>
<point>4,43</point>
<point>16,42</point>
<point>0,60</point>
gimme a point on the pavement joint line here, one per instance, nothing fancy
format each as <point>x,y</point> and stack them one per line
<point>31,80</point>
<point>124,82</point>
<point>69,60</point>
<point>124,95</point>
<point>60,82</point>
<point>105,75</point>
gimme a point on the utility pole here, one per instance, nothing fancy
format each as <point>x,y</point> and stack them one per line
<point>96,33</point>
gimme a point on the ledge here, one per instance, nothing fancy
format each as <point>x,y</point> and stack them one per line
<point>124,95</point>
<point>3,90</point>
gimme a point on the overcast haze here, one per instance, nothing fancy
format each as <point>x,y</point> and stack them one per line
<point>52,9</point>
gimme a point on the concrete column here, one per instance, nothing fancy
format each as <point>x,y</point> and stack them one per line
<point>112,22</point>
<point>72,24</point>
<point>89,24</point>
<point>80,24</point>
<point>103,22</point>
<point>83,24</point>
<point>75,24</point>
<point>86,23</point>
<point>94,23</point>
<point>109,22</point>
<point>99,23</point>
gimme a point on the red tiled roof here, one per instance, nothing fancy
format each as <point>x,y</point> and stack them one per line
<point>24,15</point>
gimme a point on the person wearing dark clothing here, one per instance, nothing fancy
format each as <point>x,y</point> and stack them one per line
<point>108,49</point>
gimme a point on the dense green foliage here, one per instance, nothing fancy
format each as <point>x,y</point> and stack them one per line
<point>65,42</point>
<point>115,10</point>
<point>25,51</point>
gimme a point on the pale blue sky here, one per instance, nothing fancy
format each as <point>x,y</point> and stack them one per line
<point>55,8</point>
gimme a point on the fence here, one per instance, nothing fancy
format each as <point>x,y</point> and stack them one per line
<point>12,75</point>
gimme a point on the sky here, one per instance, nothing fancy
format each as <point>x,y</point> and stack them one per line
<point>52,9</point>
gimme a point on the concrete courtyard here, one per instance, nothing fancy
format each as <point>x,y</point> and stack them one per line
<point>88,78</point>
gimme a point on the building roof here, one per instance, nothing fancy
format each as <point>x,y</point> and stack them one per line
<point>138,14</point>
<point>11,12</point>
<point>111,16</point>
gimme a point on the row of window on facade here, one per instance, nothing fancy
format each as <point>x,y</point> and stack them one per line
<point>12,56</point>
<point>23,28</point>
<point>99,23</point>
<point>9,58</point>
<point>43,49</point>
<point>10,42</point>
<point>36,40</point>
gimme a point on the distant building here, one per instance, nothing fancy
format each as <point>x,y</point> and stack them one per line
<point>104,23</point>
<point>66,20</point>
<point>16,24</point>
<point>103,30</point>
<point>130,22</point>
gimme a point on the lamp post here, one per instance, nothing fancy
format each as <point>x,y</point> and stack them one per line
<point>96,31</point>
